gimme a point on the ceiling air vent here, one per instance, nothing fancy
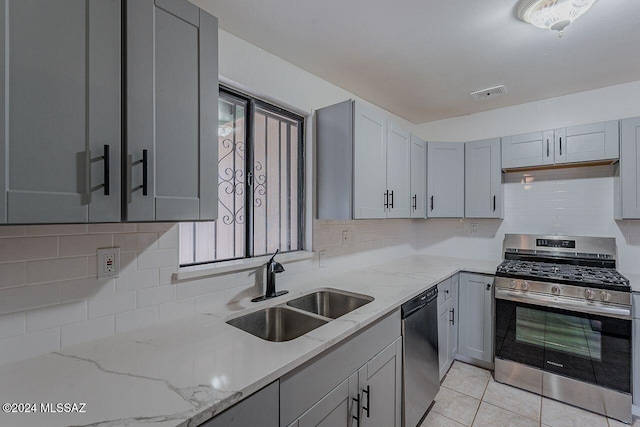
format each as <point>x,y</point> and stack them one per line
<point>490,92</point>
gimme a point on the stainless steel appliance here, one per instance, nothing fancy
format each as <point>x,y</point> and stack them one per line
<point>563,322</point>
<point>421,381</point>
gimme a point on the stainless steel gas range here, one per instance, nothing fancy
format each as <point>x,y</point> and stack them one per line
<point>563,322</point>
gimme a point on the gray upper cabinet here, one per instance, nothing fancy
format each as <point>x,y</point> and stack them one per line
<point>363,164</point>
<point>483,179</point>
<point>60,137</point>
<point>172,111</point>
<point>627,182</point>
<point>475,328</point>
<point>529,149</point>
<point>418,185</point>
<point>445,179</point>
<point>587,143</point>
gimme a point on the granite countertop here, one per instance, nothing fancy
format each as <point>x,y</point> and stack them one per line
<point>183,372</point>
<point>634,280</point>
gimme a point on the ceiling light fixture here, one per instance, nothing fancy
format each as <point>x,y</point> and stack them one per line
<point>552,14</point>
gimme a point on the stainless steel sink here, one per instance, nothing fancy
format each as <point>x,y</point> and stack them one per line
<point>277,323</point>
<point>331,304</point>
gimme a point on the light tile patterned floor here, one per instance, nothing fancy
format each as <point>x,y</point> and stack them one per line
<point>470,397</point>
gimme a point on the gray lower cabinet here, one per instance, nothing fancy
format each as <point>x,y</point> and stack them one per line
<point>172,111</point>
<point>360,378</point>
<point>259,409</point>
<point>483,179</point>
<point>627,182</point>
<point>60,118</point>
<point>447,323</point>
<point>475,327</point>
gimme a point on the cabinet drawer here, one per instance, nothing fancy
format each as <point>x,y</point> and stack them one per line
<point>444,291</point>
<point>636,306</point>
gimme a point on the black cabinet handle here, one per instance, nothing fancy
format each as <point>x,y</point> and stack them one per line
<point>488,286</point>
<point>391,204</point>
<point>145,172</point>
<point>494,202</point>
<point>357,416</point>
<point>431,202</point>
<point>368,391</point>
<point>386,199</point>
<point>547,147</point>
<point>452,316</point>
<point>561,146</point>
<point>415,202</point>
<point>106,158</point>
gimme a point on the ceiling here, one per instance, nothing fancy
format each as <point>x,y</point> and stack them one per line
<point>420,58</point>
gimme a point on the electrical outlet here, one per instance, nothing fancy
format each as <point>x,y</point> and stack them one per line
<point>474,229</point>
<point>346,238</point>
<point>321,258</point>
<point>108,262</point>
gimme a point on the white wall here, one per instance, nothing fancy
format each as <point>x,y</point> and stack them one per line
<point>609,103</point>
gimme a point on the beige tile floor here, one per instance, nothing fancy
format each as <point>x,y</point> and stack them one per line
<point>470,397</point>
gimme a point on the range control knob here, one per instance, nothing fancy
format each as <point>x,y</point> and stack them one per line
<point>525,286</point>
<point>605,296</point>
<point>555,290</point>
<point>589,294</point>
<point>513,284</point>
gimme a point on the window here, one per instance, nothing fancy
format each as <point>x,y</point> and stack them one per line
<point>260,184</point>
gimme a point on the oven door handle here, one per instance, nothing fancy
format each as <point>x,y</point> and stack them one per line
<point>565,304</point>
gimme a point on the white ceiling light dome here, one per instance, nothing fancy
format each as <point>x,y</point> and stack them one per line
<point>552,14</point>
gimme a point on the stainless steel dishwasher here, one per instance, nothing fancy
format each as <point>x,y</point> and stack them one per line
<point>421,380</point>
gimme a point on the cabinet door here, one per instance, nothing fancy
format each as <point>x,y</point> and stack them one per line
<point>259,409</point>
<point>444,337</point>
<point>381,388</point>
<point>398,171</point>
<point>455,317</point>
<point>418,177</point>
<point>475,314</point>
<point>483,179</point>
<point>336,409</point>
<point>369,164</point>
<point>445,182</point>
<point>172,111</point>
<point>529,149</point>
<point>60,73</point>
<point>597,141</point>
<point>630,168</point>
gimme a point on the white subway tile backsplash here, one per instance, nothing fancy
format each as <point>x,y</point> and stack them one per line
<point>85,244</point>
<point>169,239</point>
<point>22,249</point>
<point>13,231</point>
<point>166,274</point>
<point>175,309</point>
<point>158,227</point>
<point>192,288</point>
<point>57,315</point>
<point>156,295</point>
<point>113,228</point>
<point>136,319</point>
<point>134,280</point>
<point>13,274</point>
<point>29,345</point>
<point>56,269</point>
<point>56,229</point>
<point>128,262</point>
<point>12,324</point>
<point>135,242</point>
<point>87,331</point>
<point>85,288</point>
<point>209,302</point>
<point>111,304</point>
<point>156,259</point>
<point>27,297</point>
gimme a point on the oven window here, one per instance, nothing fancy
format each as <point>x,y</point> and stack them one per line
<point>572,335</point>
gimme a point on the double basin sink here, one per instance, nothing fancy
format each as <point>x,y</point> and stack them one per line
<point>300,315</point>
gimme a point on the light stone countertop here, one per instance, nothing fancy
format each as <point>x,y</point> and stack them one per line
<point>634,280</point>
<point>183,372</point>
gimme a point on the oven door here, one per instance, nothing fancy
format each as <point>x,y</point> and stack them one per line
<point>589,347</point>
